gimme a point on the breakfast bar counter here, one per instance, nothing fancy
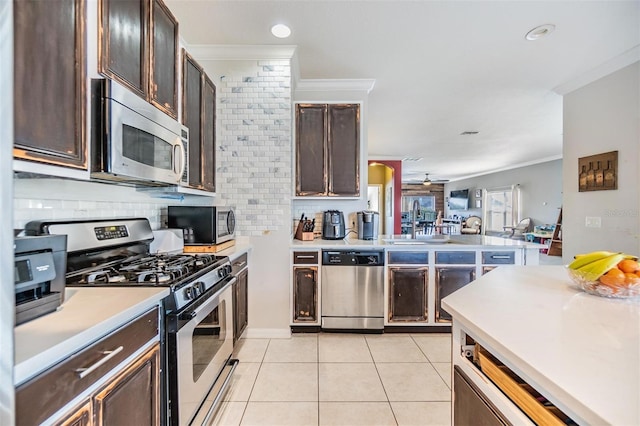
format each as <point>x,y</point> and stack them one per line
<point>580,352</point>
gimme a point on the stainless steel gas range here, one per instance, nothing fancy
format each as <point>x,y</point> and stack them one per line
<point>198,326</point>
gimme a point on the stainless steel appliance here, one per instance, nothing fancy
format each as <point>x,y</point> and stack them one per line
<point>39,272</point>
<point>203,225</point>
<point>131,140</point>
<point>352,290</point>
<point>198,327</point>
<point>333,225</point>
<point>368,225</point>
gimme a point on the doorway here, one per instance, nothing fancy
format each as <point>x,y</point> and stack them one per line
<point>381,192</point>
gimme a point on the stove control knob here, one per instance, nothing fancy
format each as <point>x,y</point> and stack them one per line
<point>201,287</point>
<point>188,293</point>
<point>227,269</point>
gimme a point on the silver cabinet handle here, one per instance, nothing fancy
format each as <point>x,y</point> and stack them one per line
<point>84,372</point>
<point>501,257</point>
<point>240,265</point>
<point>306,257</point>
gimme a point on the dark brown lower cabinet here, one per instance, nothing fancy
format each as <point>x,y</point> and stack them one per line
<point>305,294</point>
<point>131,398</point>
<point>448,280</point>
<point>470,406</point>
<point>240,304</point>
<point>134,396</point>
<point>408,294</point>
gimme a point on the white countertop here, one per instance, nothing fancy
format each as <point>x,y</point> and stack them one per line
<point>235,251</point>
<point>581,351</point>
<point>454,242</point>
<point>86,315</point>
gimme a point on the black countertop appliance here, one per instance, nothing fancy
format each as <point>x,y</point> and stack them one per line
<point>40,267</point>
<point>333,225</point>
<point>368,224</point>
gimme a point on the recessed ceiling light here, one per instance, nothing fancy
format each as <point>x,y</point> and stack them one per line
<point>281,31</point>
<point>540,31</point>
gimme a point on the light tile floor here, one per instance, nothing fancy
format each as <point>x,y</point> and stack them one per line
<point>341,379</point>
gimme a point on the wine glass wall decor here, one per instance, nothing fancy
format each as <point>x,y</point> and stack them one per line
<point>598,172</point>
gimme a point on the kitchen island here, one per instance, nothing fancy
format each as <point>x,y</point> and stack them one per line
<point>580,352</point>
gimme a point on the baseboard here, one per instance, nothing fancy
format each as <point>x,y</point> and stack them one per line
<point>267,333</point>
<point>417,329</point>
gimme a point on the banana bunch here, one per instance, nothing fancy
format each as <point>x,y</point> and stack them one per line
<point>595,264</point>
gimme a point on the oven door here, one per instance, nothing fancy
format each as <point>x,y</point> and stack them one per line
<point>204,344</point>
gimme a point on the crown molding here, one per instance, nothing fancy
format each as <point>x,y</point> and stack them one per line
<point>335,85</point>
<point>627,58</point>
<point>230,52</point>
<point>511,167</point>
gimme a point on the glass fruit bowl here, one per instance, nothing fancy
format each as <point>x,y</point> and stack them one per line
<point>620,291</point>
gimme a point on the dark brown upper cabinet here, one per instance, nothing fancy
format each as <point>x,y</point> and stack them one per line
<point>198,114</point>
<point>124,49</point>
<point>139,48</point>
<point>49,77</point>
<point>328,150</point>
<point>163,81</point>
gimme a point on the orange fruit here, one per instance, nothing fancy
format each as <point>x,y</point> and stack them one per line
<point>631,279</point>
<point>629,265</point>
<point>614,277</point>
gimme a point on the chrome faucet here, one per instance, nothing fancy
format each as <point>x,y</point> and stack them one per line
<point>414,218</point>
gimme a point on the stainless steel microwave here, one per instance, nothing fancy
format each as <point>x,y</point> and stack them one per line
<point>131,140</point>
<point>203,225</point>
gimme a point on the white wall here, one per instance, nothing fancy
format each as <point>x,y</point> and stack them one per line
<point>600,117</point>
<point>540,185</point>
<point>7,290</point>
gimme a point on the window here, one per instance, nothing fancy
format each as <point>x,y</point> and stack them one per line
<point>502,208</point>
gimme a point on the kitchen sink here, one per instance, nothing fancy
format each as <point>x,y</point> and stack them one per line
<point>423,239</point>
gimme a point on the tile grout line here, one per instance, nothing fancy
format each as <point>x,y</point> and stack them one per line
<point>246,406</point>
<point>375,365</point>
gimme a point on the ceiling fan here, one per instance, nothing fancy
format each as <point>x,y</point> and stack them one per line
<point>427,181</point>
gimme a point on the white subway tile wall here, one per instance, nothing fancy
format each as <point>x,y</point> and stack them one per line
<point>254,146</point>
<point>36,199</point>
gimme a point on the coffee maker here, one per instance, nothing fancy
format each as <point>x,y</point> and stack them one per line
<point>368,224</point>
<point>333,225</point>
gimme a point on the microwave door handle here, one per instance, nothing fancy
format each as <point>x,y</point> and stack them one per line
<point>178,153</point>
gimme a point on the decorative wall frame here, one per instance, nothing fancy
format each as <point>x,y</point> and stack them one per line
<point>598,172</point>
<point>478,193</point>
<point>478,203</point>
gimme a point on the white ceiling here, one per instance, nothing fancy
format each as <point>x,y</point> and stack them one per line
<point>440,67</point>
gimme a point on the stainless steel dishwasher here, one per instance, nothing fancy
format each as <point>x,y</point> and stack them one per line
<point>352,290</point>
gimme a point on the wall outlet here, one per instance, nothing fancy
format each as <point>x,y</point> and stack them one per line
<point>592,222</point>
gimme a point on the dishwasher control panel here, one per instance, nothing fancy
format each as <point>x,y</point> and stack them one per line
<point>352,258</point>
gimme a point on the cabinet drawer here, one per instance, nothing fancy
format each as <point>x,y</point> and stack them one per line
<point>409,257</point>
<point>498,257</point>
<point>239,264</point>
<point>456,257</point>
<point>45,394</point>
<point>535,406</point>
<point>305,257</point>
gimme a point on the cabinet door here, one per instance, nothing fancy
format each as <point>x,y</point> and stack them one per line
<point>311,131</point>
<point>305,294</point>
<point>470,406</point>
<point>448,280</point>
<point>208,135</point>
<point>408,294</point>
<point>49,82</point>
<point>80,416</point>
<point>241,305</point>
<point>191,116</point>
<point>344,150</point>
<point>123,42</point>
<point>163,87</point>
<point>132,398</point>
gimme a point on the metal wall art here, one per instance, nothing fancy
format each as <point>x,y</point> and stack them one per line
<point>598,172</point>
